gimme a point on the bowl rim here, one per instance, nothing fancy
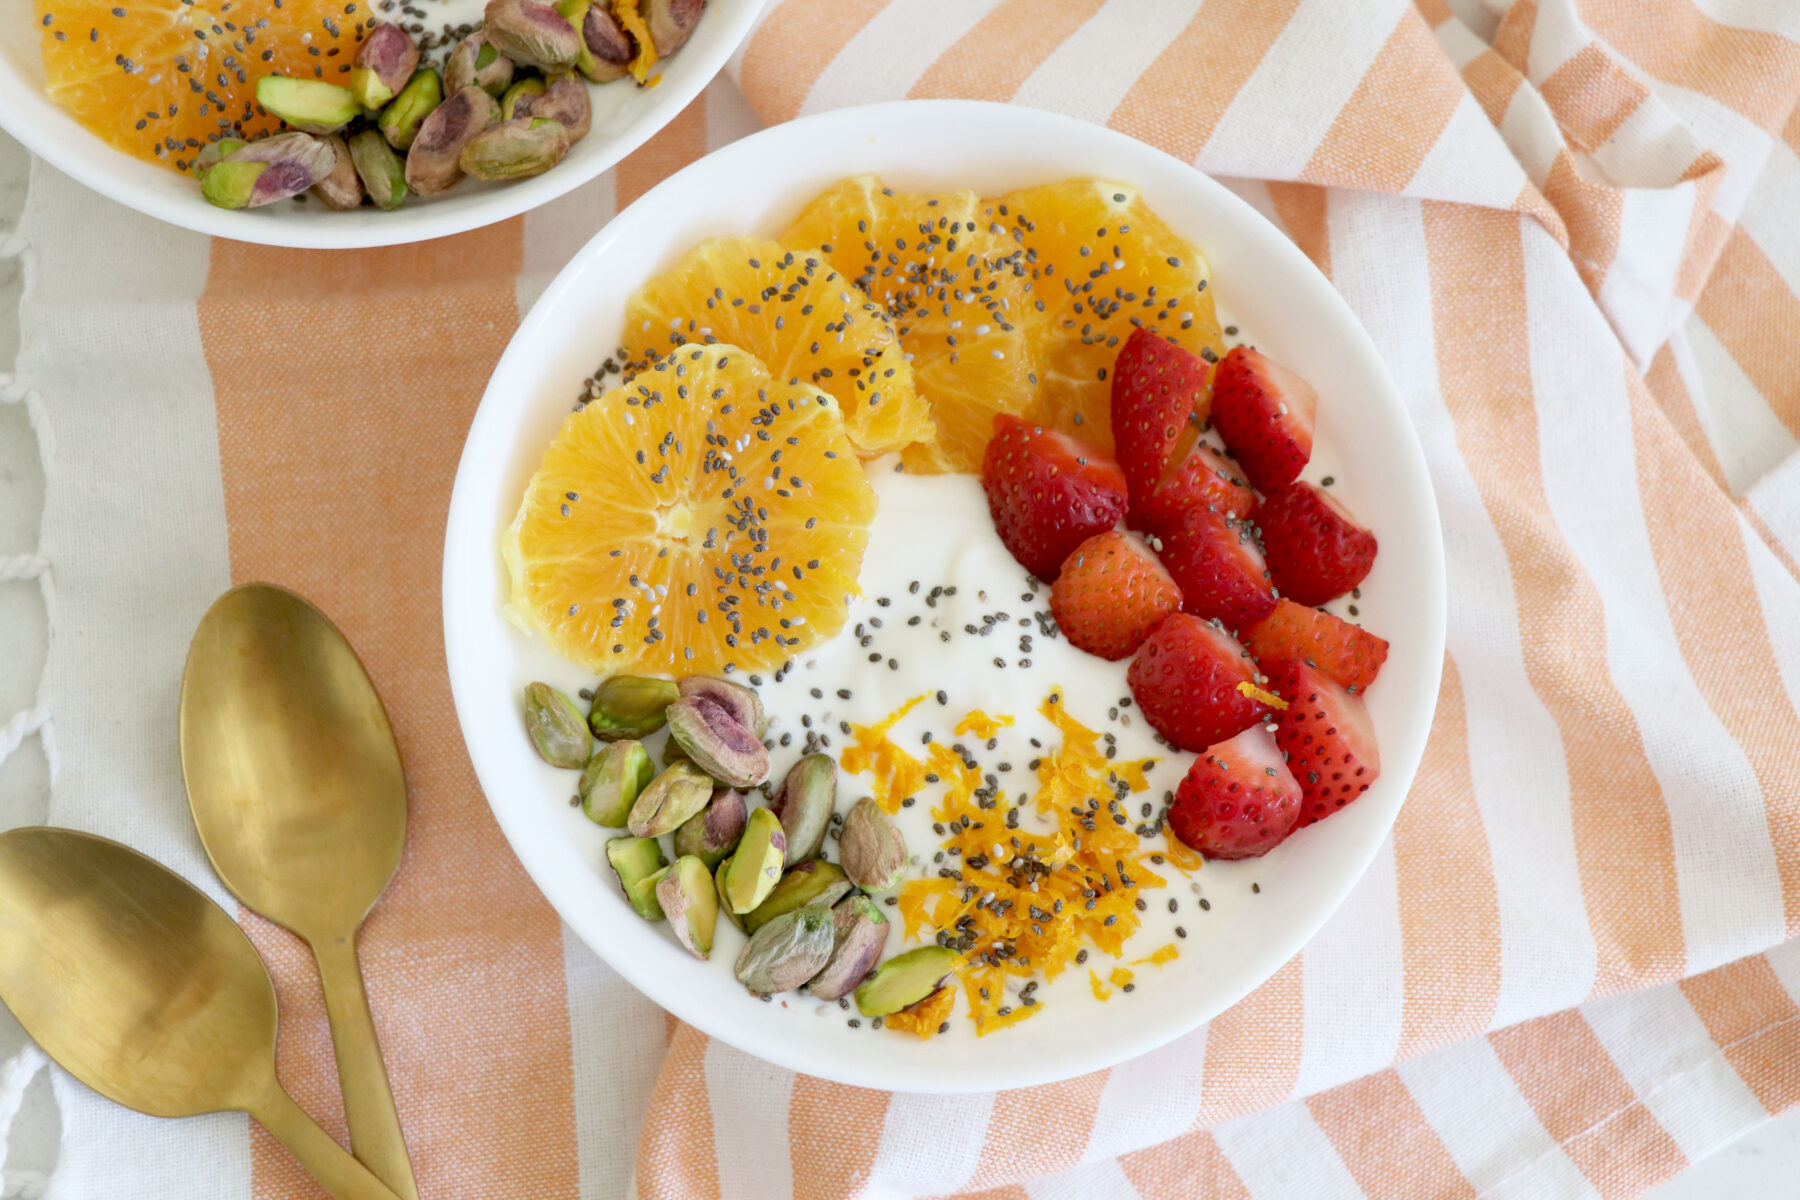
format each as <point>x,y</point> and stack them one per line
<point>466,510</point>
<point>43,127</point>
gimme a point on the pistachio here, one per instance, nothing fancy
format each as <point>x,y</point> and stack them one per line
<point>516,149</point>
<point>563,99</point>
<point>213,153</point>
<point>871,846</point>
<point>267,170</point>
<point>687,898</point>
<point>606,49</point>
<point>756,866</point>
<point>670,22</point>
<point>341,189</point>
<point>673,753</point>
<point>382,172</point>
<point>477,62</point>
<point>814,881</point>
<point>610,784</point>
<point>557,730</point>
<point>713,832</point>
<point>741,702</point>
<point>532,34</point>
<point>435,161</point>
<point>384,62</point>
<point>509,102</point>
<point>309,105</point>
<point>643,897</point>
<point>401,119</point>
<point>719,886</point>
<point>630,706</point>
<point>636,861</point>
<point>786,952</point>
<point>859,932</point>
<point>672,797</point>
<point>805,803</point>
<point>716,742</point>
<point>904,979</point>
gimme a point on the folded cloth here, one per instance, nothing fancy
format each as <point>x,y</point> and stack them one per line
<point>1567,228</point>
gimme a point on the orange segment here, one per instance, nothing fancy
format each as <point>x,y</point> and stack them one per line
<point>796,314</point>
<point>699,517</point>
<point>162,78</point>
<point>1102,263</point>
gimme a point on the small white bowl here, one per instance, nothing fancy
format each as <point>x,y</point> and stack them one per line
<point>625,117</point>
<point>1265,283</point>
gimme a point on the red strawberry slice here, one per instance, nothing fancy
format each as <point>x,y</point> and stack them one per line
<point>1157,389</point>
<point>1316,551</point>
<point>1238,800</point>
<point>1351,656</point>
<point>1219,567</point>
<point>1185,677</point>
<point>1204,479</point>
<point>1111,593</point>
<point>1327,737</point>
<point>1265,414</point>
<point>1048,492</point>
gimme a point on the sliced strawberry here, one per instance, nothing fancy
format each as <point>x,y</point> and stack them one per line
<point>1185,677</point>
<point>1219,567</point>
<point>1157,388</point>
<point>1238,800</point>
<point>1111,593</point>
<point>1048,492</point>
<point>1265,414</point>
<point>1203,479</point>
<point>1352,657</point>
<point>1327,737</point>
<point>1316,551</point>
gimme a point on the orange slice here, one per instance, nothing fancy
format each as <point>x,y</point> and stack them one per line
<point>800,317</point>
<point>162,78</point>
<point>700,517</point>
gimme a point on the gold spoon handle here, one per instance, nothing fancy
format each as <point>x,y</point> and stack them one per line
<point>368,1100</point>
<point>329,1163</point>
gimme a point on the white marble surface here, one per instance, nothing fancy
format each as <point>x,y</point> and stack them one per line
<point>1763,1163</point>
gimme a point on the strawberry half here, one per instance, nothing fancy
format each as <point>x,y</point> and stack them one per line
<point>1157,389</point>
<point>1185,678</point>
<point>1048,493</point>
<point>1327,737</point>
<point>1265,414</point>
<point>1315,549</point>
<point>1351,656</point>
<point>1219,568</point>
<point>1203,479</point>
<point>1111,593</point>
<point>1238,800</point>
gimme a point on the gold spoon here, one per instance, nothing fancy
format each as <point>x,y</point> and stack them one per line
<point>295,784</point>
<point>148,992</point>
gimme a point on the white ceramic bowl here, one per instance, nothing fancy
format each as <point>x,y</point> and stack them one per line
<point>758,184</point>
<point>625,117</point>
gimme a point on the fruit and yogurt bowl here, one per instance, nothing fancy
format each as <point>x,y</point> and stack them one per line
<point>894,592</point>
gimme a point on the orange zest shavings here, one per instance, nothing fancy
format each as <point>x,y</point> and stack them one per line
<point>982,725</point>
<point>627,13</point>
<point>1159,956</point>
<point>926,1018</point>
<point>1261,697</point>
<point>896,773</point>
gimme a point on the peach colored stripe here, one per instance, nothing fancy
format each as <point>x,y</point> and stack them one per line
<point>1385,1141</point>
<point>1184,1168</point>
<point>1302,208</point>
<point>1030,31</point>
<point>1449,904</point>
<point>1664,382</point>
<point>1176,104</point>
<point>1756,1025</point>
<point>1006,1191</point>
<point>1585,1104</point>
<point>1593,214</point>
<point>1790,130</point>
<point>1753,72</point>
<point>1016,1147</point>
<point>1393,118</point>
<point>335,482</point>
<point>792,46</point>
<point>1770,540</point>
<point>672,147</point>
<point>834,1132</point>
<point>1623,844</point>
<point>1435,12</point>
<point>1512,38</point>
<point>1748,306</point>
<point>1253,1049</point>
<point>676,1154</point>
<point>1591,96</point>
<point>1531,203</point>
<point>1701,558</point>
<point>1492,81</point>
<point>1707,235</point>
